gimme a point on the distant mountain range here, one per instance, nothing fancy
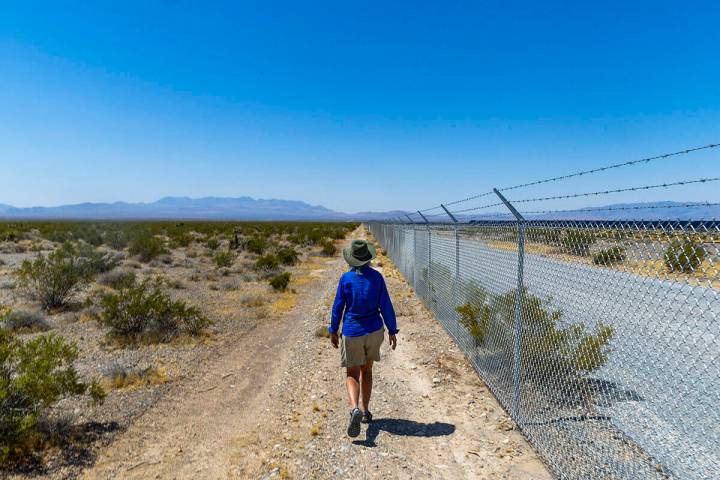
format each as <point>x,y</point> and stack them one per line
<point>207,208</point>
<point>247,208</point>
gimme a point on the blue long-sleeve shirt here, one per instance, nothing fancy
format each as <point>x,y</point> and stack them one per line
<point>363,297</point>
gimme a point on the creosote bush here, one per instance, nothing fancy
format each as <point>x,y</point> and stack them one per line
<point>610,256</point>
<point>280,281</point>
<point>549,347</point>
<point>146,247</point>
<point>145,312</point>
<point>267,263</point>
<point>287,255</point>
<point>117,279</point>
<point>256,245</point>
<point>578,242</point>
<point>22,321</point>
<point>328,248</point>
<point>34,375</point>
<point>684,256</point>
<point>212,243</point>
<point>224,259</point>
<point>52,280</point>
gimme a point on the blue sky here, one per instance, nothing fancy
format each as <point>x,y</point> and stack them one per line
<point>353,105</point>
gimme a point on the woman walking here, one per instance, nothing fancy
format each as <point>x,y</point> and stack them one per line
<point>363,304</point>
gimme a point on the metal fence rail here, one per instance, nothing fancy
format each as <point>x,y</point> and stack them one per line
<point>600,339</point>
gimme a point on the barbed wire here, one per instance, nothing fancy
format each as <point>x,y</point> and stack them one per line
<point>576,174</point>
<point>619,190</point>
<point>610,167</point>
<point>630,207</point>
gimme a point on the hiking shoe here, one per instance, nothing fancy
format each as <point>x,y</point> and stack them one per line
<point>354,427</point>
<point>367,417</point>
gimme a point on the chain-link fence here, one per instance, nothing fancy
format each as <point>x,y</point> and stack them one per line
<point>600,339</point>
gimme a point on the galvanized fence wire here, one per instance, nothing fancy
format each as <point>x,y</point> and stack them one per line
<point>600,339</point>
<point>581,173</point>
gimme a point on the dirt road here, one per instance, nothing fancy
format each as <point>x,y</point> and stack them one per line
<point>274,406</point>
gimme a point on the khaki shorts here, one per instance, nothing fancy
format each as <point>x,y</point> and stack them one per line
<point>358,350</point>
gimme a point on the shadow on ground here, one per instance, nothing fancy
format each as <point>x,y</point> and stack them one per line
<point>73,448</point>
<point>408,428</point>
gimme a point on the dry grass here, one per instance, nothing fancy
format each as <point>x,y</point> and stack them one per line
<point>315,430</point>
<point>284,303</point>
<point>322,332</point>
<point>255,300</point>
<point>121,378</point>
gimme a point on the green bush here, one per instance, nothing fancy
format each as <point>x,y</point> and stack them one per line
<point>550,347</point>
<point>117,239</point>
<point>93,261</point>
<point>578,242</point>
<point>52,280</point>
<point>328,248</point>
<point>287,255</point>
<point>146,247</point>
<point>475,316</point>
<point>224,259</point>
<point>145,311</point>
<point>181,239</point>
<point>256,245</point>
<point>34,375</point>
<point>267,262</point>
<point>280,282</point>
<point>22,321</point>
<point>212,243</point>
<point>684,257</point>
<point>118,279</point>
<point>9,235</point>
<point>610,256</point>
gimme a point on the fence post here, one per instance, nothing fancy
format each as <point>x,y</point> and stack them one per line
<point>517,345</point>
<point>457,251</point>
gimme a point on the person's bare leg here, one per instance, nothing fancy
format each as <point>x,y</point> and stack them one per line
<point>366,381</point>
<point>352,382</point>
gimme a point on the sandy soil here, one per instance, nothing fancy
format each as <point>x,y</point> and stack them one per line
<point>271,404</point>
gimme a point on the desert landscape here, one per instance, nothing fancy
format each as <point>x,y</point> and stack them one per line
<point>256,391</point>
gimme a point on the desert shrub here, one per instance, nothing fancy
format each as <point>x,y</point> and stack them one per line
<point>610,256</point>
<point>93,261</point>
<point>578,242</point>
<point>34,375</point>
<point>475,316</point>
<point>684,256</point>
<point>550,347</point>
<point>117,239</point>
<point>181,239</point>
<point>235,242</point>
<point>328,248</point>
<point>146,247</point>
<point>267,262</point>
<point>212,243</point>
<point>287,255</point>
<point>280,281</point>
<point>117,279</point>
<point>225,259</point>
<point>9,235</point>
<point>52,280</point>
<point>549,236</point>
<point>256,245</point>
<point>145,311</point>
<point>23,321</point>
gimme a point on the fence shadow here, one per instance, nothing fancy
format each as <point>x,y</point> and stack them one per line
<point>407,428</point>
